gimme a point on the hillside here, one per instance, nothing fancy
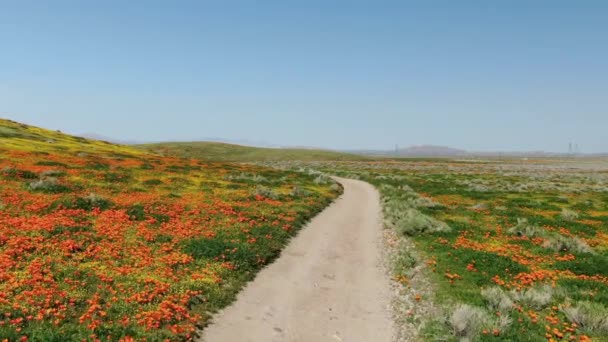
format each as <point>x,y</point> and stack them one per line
<point>213,151</point>
<point>15,135</point>
<point>107,242</point>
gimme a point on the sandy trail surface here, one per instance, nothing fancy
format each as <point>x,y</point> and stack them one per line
<point>327,285</point>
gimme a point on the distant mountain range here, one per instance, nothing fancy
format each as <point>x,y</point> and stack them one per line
<point>412,151</point>
<point>445,151</point>
<point>416,151</point>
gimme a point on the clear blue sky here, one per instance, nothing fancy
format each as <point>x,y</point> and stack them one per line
<point>479,75</point>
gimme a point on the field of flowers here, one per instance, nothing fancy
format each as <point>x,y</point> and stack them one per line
<point>514,250</point>
<point>106,242</point>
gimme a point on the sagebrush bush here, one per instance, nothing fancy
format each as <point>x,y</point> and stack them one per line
<point>467,321</point>
<point>561,243</point>
<point>322,179</point>
<point>48,185</point>
<point>412,222</point>
<point>479,206</point>
<point>404,263</point>
<point>523,228</point>
<point>537,297</point>
<point>497,299</point>
<point>591,316</point>
<point>264,191</point>
<point>425,202</point>
<point>298,191</point>
<point>248,178</point>
<point>400,211</point>
<point>569,215</point>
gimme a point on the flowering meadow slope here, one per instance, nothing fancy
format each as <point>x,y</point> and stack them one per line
<point>105,242</point>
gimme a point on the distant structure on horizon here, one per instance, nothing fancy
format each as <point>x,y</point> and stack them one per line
<point>573,148</point>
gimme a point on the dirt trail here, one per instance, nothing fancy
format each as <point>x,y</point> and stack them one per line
<point>326,286</point>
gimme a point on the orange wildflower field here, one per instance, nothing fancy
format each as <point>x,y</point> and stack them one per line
<point>105,242</point>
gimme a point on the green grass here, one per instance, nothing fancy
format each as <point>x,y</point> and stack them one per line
<point>556,277</point>
<point>212,151</point>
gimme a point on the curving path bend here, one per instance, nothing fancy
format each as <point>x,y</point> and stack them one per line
<point>327,285</point>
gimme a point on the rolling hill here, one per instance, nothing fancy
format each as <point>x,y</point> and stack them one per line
<point>213,151</point>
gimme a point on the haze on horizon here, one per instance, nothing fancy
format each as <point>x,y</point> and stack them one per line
<point>481,76</point>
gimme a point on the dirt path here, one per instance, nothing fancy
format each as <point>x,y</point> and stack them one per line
<point>326,286</point>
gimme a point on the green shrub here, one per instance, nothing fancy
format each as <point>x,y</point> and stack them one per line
<point>49,186</point>
<point>51,163</point>
<point>87,203</point>
<point>98,166</point>
<point>152,182</point>
<point>13,173</point>
<point>113,177</point>
<point>136,212</point>
<point>52,173</point>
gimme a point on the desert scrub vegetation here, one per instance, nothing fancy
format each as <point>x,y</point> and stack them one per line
<point>590,316</point>
<point>401,205</point>
<point>106,242</point>
<point>513,249</point>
